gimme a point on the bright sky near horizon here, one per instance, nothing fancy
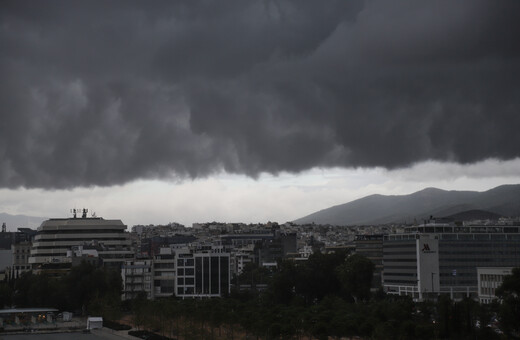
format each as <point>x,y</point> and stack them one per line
<point>237,198</point>
<point>252,110</point>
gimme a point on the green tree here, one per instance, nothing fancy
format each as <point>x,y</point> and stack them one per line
<point>253,274</point>
<point>356,275</point>
<point>509,292</point>
<point>6,295</point>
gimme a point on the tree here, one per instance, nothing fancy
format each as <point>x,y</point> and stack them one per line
<point>356,275</point>
<point>139,309</point>
<point>5,295</point>
<point>509,292</point>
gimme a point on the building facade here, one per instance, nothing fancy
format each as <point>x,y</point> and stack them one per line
<point>203,273</point>
<point>442,259</point>
<point>137,277</point>
<point>55,237</point>
<point>489,279</point>
<point>371,247</point>
<point>164,273</point>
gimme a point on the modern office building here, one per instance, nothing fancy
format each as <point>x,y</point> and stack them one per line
<point>371,247</point>
<point>202,272</point>
<point>57,236</point>
<point>434,259</point>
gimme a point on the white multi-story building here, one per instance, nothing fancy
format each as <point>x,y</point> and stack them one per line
<point>57,236</point>
<point>21,252</point>
<point>489,279</point>
<point>137,277</point>
<point>164,272</point>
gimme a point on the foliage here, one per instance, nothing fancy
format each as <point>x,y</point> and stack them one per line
<point>509,311</point>
<point>253,274</point>
<point>84,288</point>
<point>5,295</point>
<point>356,275</point>
<point>310,281</point>
<point>327,296</point>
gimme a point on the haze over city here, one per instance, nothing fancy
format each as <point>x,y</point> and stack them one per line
<point>252,111</point>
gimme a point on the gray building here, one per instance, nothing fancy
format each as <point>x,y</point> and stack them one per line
<point>137,277</point>
<point>164,273</point>
<point>371,247</point>
<point>439,258</point>
<point>202,273</point>
<point>57,236</point>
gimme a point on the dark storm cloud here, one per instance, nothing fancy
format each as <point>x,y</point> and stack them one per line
<point>105,92</point>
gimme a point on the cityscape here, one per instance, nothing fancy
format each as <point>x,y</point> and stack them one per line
<point>259,169</point>
<point>458,259</point>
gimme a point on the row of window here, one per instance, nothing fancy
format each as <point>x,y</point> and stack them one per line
<point>189,281</point>
<point>186,271</point>
<point>185,262</point>
<point>81,231</point>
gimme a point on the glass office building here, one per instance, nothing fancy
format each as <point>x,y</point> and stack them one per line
<point>202,274</point>
<point>439,258</point>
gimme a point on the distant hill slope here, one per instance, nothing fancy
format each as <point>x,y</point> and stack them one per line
<point>379,209</point>
<point>473,215</point>
<point>13,222</point>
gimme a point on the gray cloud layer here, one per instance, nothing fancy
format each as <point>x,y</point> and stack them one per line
<point>105,92</point>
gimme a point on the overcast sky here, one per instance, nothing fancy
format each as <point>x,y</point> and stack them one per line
<point>251,111</point>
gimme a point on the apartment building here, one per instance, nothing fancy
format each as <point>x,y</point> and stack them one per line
<point>137,277</point>
<point>164,273</point>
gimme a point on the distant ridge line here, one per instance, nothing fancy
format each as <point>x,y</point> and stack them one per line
<point>375,209</point>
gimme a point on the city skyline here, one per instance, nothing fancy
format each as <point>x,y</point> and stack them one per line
<point>252,111</point>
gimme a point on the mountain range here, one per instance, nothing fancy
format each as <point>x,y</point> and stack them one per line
<point>13,222</point>
<point>503,200</point>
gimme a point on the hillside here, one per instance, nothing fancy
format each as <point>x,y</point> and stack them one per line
<point>13,222</point>
<point>379,209</point>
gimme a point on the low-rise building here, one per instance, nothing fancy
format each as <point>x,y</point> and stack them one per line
<point>489,279</point>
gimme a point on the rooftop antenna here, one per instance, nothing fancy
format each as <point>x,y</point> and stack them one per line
<point>73,211</point>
